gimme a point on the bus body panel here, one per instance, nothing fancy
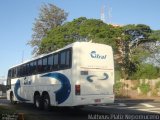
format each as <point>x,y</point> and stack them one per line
<point>95,73</point>
<point>28,85</point>
<point>92,68</point>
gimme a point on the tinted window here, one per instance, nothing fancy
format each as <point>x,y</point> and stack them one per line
<point>63,58</point>
<point>58,61</point>
<point>27,69</point>
<point>50,62</point>
<point>44,64</point>
<point>67,58</point>
<point>31,67</point>
<point>34,67</point>
<point>18,71</point>
<point>55,62</point>
<point>40,65</point>
<point>55,59</point>
<point>24,70</point>
<point>13,72</point>
<point>9,73</point>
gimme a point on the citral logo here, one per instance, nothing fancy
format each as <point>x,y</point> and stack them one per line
<point>98,56</point>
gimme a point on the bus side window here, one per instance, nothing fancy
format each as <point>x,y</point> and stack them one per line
<point>35,67</point>
<point>65,59</point>
<point>24,70</point>
<point>50,62</point>
<point>18,71</point>
<point>55,61</point>
<point>15,72</point>
<point>62,60</point>
<point>27,69</point>
<point>68,58</point>
<point>9,74</point>
<point>40,65</point>
<point>44,61</point>
<point>12,72</point>
<point>31,68</point>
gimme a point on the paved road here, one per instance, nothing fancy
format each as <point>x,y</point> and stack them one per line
<point>89,112</point>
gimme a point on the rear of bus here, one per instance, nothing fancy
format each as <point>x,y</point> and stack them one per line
<point>94,74</point>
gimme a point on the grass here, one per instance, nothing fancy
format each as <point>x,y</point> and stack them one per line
<point>4,109</point>
<point>6,113</point>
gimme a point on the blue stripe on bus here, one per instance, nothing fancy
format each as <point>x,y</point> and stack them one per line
<point>63,93</point>
<point>17,86</point>
<point>90,77</point>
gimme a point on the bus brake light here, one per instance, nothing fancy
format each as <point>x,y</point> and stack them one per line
<point>77,89</point>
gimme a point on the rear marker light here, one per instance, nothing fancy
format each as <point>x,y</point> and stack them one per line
<point>77,89</point>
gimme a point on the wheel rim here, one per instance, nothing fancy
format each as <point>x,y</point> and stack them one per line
<point>37,103</point>
<point>46,103</point>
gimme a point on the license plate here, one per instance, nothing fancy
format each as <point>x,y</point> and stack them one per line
<point>97,100</point>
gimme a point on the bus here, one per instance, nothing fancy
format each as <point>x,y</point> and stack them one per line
<point>79,74</point>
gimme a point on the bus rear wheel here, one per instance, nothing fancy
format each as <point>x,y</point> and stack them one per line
<point>46,102</point>
<point>38,102</point>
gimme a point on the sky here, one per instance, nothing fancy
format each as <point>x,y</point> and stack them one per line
<point>17,18</point>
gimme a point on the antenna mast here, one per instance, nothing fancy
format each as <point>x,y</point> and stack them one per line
<point>103,14</point>
<point>109,14</point>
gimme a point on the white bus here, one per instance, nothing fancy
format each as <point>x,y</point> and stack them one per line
<point>79,74</point>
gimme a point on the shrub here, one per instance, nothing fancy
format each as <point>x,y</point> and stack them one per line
<point>146,71</point>
<point>157,85</point>
<point>145,88</point>
<point>118,88</point>
<point>117,75</point>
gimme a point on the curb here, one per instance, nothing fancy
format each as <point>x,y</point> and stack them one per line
<point>137,100</point>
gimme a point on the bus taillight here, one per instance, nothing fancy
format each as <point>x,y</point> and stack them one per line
<point>77,89</point>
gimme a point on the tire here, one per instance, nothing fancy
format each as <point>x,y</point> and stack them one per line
<point>46,102</point>
<point>12,99</point>
<point>38,102</point>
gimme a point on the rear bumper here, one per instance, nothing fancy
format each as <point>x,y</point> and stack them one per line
<point>93,99</point>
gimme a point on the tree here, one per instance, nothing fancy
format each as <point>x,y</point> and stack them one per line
<point>133,37</point>
<point>49,18</point>
<point>143,46</point>
<point>154,48</point>
<point>81,29</point>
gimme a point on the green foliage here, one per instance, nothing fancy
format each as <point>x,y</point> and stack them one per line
<point>157,85</point>
<point>140,31</point>
<point>81,29</point>
<point>146,71</point>
<point>145,88</point>
<point>156,89</point>
<point>155,35</point>
<point>117,75</point>
<point>4,109</point>
<point>118,88</point>
<point>138,55</point>
<point>154,92</point>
